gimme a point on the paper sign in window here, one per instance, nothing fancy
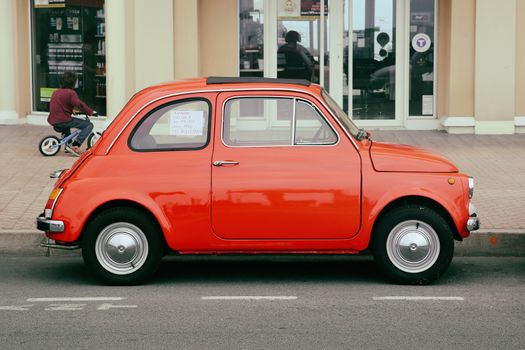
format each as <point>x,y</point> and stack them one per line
<point>187,123</point>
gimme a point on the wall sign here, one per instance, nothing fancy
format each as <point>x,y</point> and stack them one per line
<point>50,3</point>
<point>421,42</point>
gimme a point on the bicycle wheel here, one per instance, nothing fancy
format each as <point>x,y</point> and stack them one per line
<point>49,146</point>
<point>93,138</point>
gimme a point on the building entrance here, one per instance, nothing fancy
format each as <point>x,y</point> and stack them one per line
<point>376,58</point>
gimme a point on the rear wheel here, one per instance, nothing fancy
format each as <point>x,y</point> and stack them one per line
<point>122,246</point>
<point>49,146</point>
<point>93,138</point>
<point>413,245</point>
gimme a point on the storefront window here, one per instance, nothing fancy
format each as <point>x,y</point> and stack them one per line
<point>421,58</point>
<point>298,40</point>
<point>373,73</point>
<point>251,38</point>
<point>69,35</point>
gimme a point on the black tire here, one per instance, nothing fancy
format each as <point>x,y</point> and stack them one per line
<point>122,246</point>
<point>93,138</point>
<point>413,245</point>
<point>48,146</point>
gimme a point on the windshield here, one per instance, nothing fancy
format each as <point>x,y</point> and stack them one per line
<point>340,114</point>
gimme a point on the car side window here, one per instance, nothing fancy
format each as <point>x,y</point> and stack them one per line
<point>310,127</point>
<point>274,121</point>
<point>182,125</point>
<point>258,122</point>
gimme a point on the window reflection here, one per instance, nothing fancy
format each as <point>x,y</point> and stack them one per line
<point>251,38</point>
<point>421,58</point>
<point>69,36</point>
<point>373,54</point>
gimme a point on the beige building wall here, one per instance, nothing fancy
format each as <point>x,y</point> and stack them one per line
<point>8,76</point>
<point>186,38</point>
<point>443,57</point>
<point>218,37</point>
<point>140,48</point>
<point>495,76</point>
<point>22,60</point>
<point>456,65</point>
<point>153,42</point>
<point>520,59</point>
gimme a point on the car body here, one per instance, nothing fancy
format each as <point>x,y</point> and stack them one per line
<point>253,166</point>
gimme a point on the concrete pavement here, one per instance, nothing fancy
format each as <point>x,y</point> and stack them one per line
<point>496,162</point>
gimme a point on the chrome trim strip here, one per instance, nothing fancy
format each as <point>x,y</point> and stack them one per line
<point>45,244</point>
<point>294,120</point>
<point>233,90</point>
<point>55,201</point>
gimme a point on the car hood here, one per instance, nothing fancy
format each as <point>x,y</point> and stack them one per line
<point>403,158</point>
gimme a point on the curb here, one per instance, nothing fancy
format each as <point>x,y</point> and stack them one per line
<point>496,242</point>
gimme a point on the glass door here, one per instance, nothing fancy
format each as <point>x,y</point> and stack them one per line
<point>302,29</point>
<point>369,59</point>
<point>376,58</point>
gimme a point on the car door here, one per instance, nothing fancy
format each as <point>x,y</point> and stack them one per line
<point>281,170</point>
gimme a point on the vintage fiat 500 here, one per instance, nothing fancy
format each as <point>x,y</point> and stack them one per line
<point>253,166</point>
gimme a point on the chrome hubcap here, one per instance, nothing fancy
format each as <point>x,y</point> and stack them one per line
<point>413,246</point>
<point>121,248</point>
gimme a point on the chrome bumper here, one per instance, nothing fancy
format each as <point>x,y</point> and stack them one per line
<point>46,243</point>
<point>473,220</point>
<point>472,224</point>
<point>47,225</point>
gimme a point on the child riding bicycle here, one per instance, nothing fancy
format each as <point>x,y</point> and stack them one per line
<point>64,102</point>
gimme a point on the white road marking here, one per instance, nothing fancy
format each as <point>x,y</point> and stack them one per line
<point>16,308</point>
<point>107,306</point>
<point>416,298</point>
<point>249,297</point>
<point>34,300</point>
<point>65,307</point>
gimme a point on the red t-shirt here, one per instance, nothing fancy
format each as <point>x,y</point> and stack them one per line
<point>61,106</point>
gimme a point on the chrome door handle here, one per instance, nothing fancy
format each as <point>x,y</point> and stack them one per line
<point>225,162</point>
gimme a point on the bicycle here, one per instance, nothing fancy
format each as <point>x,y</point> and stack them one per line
<point>50,145</point>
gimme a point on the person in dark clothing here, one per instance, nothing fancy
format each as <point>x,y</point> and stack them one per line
<point>63,102</point>
<point>295,59</point>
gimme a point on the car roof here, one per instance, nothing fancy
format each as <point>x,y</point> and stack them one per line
<point>229,83</point>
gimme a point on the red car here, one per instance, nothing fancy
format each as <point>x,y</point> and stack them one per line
<point>254,166</point>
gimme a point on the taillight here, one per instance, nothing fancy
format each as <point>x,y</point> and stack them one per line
<point>50,205</point>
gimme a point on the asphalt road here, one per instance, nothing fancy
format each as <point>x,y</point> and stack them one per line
<point>262,303</point>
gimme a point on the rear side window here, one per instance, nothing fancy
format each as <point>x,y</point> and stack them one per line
<point>182,125</point>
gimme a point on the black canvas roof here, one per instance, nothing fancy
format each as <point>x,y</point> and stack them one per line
<point>236,80</point>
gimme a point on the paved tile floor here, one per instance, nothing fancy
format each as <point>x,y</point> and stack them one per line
<point>496,162</point>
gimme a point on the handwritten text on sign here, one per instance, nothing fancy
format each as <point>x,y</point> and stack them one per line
<point>187,123</point>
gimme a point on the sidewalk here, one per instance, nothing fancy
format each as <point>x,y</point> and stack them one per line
<point>496,162</point>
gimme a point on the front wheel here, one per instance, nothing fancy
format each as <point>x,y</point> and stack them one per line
<point>122,246</point>
<point>49,146</point>
<point>413,245</point>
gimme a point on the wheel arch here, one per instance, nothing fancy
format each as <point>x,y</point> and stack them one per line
<point>123,203</point>
<point>417,200</point>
